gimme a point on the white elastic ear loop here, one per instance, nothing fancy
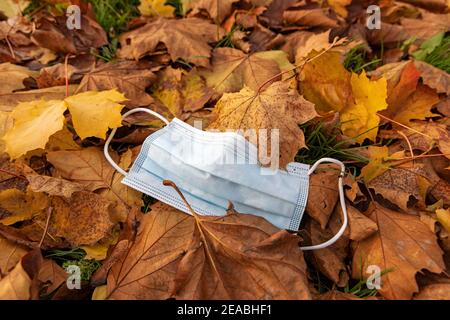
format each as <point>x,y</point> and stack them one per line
<point>113,132</point>
<point>341,200</point>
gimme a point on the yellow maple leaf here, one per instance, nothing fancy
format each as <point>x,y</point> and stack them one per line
<point>360,120</point>
<point>156,8</point>
<point>34,123</point>
<point>94,112</point>
<point>325,82</point>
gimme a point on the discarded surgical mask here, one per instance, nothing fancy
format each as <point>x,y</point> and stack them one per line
<point>214,168</point>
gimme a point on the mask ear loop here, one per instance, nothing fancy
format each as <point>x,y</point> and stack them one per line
<point>341,200</point>
<point>113,132</point>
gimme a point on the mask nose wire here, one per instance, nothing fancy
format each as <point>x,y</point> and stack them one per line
<point>113,132</point>
<point>341,200</point>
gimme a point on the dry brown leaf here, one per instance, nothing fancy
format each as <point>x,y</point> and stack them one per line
<point>278,107</point>
<point>9,101</point>
<point>428,26</point>
<point>83,219</point>
<point>51,186</point>
<point>51,275</point>
<point>441,191</point>
<point>185,39</point>
<point>433,77</point>
<point>10,255</point>
<point>273,16</point>
<point>388,34</point>
<point>175,255</point>
<point>62,140</point>
<point>124,195</point>
<point>21,283</point>
<point>16,285</point>
<point>316,42</point>
<point>331,260</point>
<point>316,17</point>
<point>404,185</point>
<point>404,246</point>
<point>52,33</point>
<point>129,77</point>
<point>217,10</point>
<point>87,166</point>
<point>323,194</point>
<point>233,69</point>
<point>359,226</point>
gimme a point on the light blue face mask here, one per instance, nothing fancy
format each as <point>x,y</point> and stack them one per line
<point>214,168</point>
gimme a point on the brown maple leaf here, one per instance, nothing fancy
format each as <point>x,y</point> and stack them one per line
<point>185,39</point>
<point>231,257</point>
<point>278,107</point>
<point>402,247</point>
<point>87,166</point>
<point>129,77</point>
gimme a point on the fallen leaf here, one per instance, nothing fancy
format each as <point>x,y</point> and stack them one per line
<point>51,275</point>
<point>94,112</point>
<point>34,123</point>
<point>12,77</point>
<point>326,83</point>
<point>278,107</point>
<point>233,69</point>
<point>51,186</point>
<point>20,283</point>
<point>117,191</point>
<point>51,32</point>
<point>428,26</point>
<point>10,255</point>
<point>331,260</point>
<point>62,140</point>
<point>185,39</point>
<point>129,77</point>
<point>434,77</point>
<point>16,285</point>
<point>83,219</point>
<point>9,101</point>
<point>217,10</point>
<point>314,17</point>
<point>87,166</point>
<point>360,120</point>
<point>403,185</point>
<point>404,246</point>
<point>316,42</point>
<point>181,92</point>
<point>274,13</point>
<point>16,205</point>
<point>323,194</point>
<point>359,226</point>
<point>175,255</point>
